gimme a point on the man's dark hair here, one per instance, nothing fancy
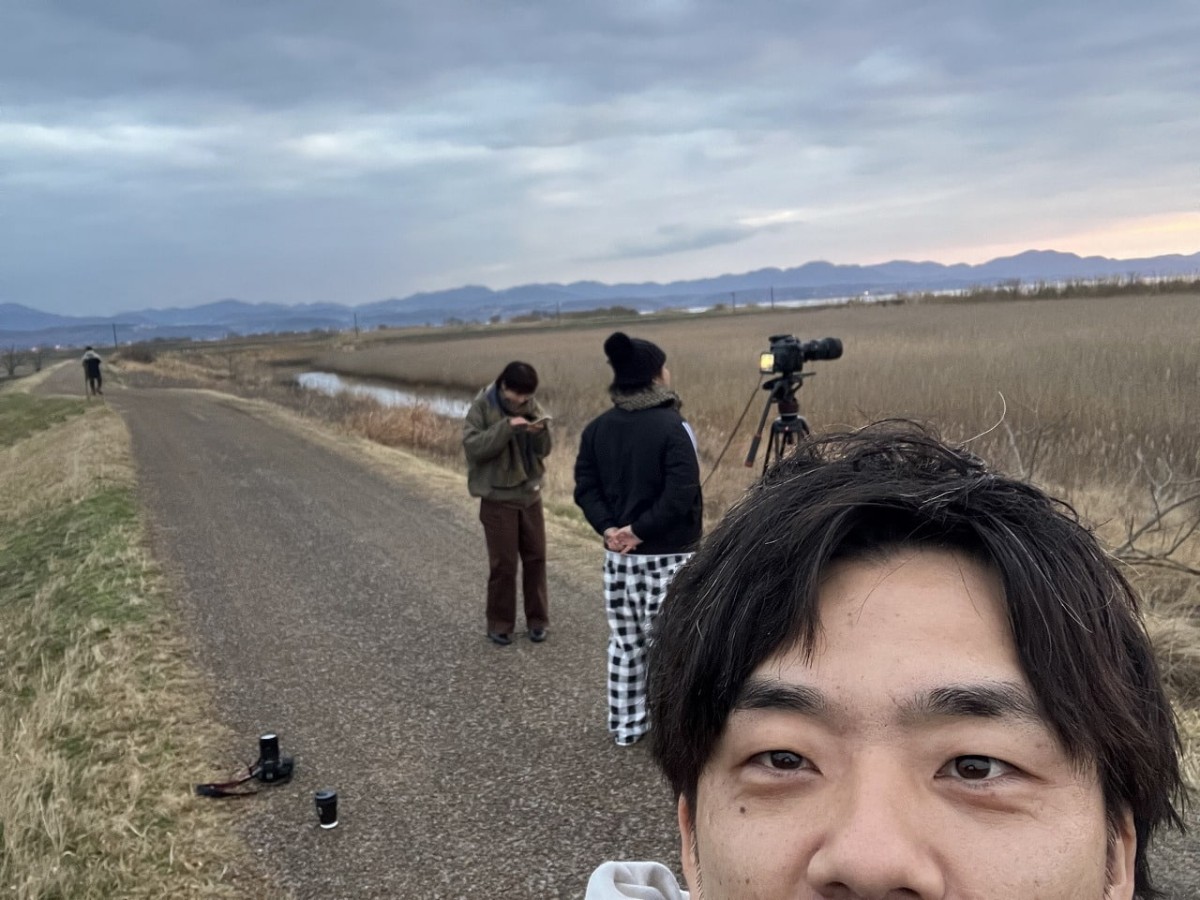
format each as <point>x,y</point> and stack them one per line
<point>750,592</point>
<point>520,377</point>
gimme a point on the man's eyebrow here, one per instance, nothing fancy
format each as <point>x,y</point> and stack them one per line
<point>988,700</point>
<point>758,693</point>
<point>984,700</point>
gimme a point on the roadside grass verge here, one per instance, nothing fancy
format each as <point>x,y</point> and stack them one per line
<point>21,415</point>
<point>103,726</point>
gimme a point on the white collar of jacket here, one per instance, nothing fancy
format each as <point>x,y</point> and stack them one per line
<point>633,881</point>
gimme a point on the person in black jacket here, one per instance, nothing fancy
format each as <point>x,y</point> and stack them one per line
<point>637,480</point>
<point>91,372</point>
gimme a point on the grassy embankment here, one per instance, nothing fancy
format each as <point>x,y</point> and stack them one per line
<point>1092,397</point>
<point>102,725</point>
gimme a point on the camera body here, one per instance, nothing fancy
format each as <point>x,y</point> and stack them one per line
<point>272,767</point>
<point>275,770</point>
<point>788,353</point>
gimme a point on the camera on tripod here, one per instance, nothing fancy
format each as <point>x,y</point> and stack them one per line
<point>785,359</point>
<point>788,353</point>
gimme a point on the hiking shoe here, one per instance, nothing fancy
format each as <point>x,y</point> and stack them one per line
<point>499,637</point>
<point>537,635</point>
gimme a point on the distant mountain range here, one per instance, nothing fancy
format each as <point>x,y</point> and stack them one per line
<point>24,326</point>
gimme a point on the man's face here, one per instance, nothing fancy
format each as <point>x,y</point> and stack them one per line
<point>905,759</point>
<point>514,398</point>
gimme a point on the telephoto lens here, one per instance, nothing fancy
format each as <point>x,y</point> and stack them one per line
<point>268,747</point>
<point>326,801</point>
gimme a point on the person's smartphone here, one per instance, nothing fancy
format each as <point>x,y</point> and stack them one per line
<point>540,421</point>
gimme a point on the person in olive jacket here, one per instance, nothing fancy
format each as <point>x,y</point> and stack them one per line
<point>637,480</point>
<point>506,438</point>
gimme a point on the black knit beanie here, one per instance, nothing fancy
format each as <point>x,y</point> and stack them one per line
<point>634,361</point>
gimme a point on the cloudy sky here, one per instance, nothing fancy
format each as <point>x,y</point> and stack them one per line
<point>174,152</point>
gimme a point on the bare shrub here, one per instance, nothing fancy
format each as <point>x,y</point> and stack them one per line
<point>11,359</point>
<point>142,353</point>
<point>1173,620</point>
<point>416,427</point>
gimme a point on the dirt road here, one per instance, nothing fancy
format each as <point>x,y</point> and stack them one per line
<point>334,594</point>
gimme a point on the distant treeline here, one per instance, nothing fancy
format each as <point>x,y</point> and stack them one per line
<point>1016,289</point>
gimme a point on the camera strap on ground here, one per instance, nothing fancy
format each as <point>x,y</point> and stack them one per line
<point>223,789</point>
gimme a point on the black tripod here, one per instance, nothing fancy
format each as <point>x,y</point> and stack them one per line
<point>789,426</point>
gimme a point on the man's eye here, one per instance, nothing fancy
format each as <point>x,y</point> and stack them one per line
<point>975,768</point>
<point>784,760</point>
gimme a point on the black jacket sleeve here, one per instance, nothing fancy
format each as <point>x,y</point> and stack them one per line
<point>589,490</point>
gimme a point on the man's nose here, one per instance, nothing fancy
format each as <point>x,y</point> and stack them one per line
<point>877,841</point>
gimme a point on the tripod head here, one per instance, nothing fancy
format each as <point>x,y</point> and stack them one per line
<point>783,392</point>
<point>789,423</point>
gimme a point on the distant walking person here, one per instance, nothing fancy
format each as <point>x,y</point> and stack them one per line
<point>91,371</point>
<point>637,480</point>
<point>506,438</point>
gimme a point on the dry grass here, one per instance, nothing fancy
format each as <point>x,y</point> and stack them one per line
<point>1071,393</point>
<point>102,725</point>
<point>59,466</point>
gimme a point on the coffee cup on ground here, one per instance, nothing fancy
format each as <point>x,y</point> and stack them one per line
<point>327,814</point>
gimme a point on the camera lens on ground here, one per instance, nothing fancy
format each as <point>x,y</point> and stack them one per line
<point>268,747</point>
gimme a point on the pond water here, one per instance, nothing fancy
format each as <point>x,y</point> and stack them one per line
<point>331,384</point>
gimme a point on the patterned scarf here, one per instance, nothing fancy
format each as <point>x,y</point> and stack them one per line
<point>648,397</point>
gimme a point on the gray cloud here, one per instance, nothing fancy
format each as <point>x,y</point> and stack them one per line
<point>165,152</point>
<point>679,237</point>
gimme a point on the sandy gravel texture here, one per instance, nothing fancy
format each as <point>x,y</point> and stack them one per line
<point>333,591</point>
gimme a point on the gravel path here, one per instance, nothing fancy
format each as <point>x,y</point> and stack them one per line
<point>335,596</point>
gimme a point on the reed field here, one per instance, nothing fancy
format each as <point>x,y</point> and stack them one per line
<point>1091,397</point>
<point>1097,399</point>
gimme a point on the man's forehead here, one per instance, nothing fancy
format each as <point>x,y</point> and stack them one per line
<point>920,630</point>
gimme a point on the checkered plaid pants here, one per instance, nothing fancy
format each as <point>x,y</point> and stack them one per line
<point>634,587</point>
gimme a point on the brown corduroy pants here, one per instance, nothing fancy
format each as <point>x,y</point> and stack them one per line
<point>515,533</point>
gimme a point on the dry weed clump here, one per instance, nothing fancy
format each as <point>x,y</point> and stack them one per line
<point>1172,604</point>
<point>417,428</point>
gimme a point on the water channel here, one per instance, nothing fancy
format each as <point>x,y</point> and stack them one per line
<point>332,385</point>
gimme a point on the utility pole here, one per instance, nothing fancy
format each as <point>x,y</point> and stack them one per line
<point>733,297</point>
<point>356,324</point>
<point>116,346</point>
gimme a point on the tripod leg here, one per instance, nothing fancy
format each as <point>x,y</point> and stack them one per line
<point>758,435</point>
<point>774,448</point>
